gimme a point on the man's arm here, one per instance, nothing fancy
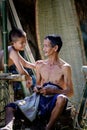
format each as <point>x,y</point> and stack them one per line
<point>68,89</point>
<point>38,76</point>
<point>68,81</point>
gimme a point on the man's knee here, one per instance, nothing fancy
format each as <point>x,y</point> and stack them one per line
<point>9,109</point>
<point>61,99</point>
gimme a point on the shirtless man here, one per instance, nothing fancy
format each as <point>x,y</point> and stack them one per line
<point>18,40</point>
<point>53,71</point>
<point>54,80</point>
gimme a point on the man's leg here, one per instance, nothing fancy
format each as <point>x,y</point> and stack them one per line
<point>58,109</point>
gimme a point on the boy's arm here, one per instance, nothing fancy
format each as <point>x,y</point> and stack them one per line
<point>26,63</point>
<point>15,58</point>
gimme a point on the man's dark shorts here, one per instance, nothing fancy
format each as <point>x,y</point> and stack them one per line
<point>46,104</point>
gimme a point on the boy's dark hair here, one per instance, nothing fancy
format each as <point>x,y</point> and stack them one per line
<point>55,40</point>
<point>16,33</point>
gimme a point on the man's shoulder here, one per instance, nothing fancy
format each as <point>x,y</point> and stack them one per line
<point>40,63</point>
<point>65,65</point>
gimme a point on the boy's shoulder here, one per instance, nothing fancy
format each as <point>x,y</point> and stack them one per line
<point>11,49</point>
<point>12,52</point>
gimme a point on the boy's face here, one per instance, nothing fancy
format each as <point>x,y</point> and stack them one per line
<point>47,48</point>
<point>19,44</point>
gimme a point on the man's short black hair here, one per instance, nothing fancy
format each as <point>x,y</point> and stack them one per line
<point>16,33</point>
<point>55,40</point>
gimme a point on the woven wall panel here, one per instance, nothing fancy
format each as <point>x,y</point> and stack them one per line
<point>59,17</point>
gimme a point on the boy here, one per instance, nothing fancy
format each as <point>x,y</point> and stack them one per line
<point>18,40</point>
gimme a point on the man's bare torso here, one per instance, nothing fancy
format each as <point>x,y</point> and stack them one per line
<point>52,73</point>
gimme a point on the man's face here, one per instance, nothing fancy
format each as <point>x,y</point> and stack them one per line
<point>47,48</point>
<point>19,44</point>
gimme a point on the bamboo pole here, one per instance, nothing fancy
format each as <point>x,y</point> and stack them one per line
<point>4,36</point>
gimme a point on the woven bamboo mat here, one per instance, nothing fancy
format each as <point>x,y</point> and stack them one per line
<point>59,17</point>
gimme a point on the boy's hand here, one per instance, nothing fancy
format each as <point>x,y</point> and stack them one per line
<point>29,83</point>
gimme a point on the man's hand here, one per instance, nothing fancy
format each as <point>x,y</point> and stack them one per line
<point>37,89</point>
<point>46,91</point>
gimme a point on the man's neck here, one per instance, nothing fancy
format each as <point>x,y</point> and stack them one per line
<point>53,60</point>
